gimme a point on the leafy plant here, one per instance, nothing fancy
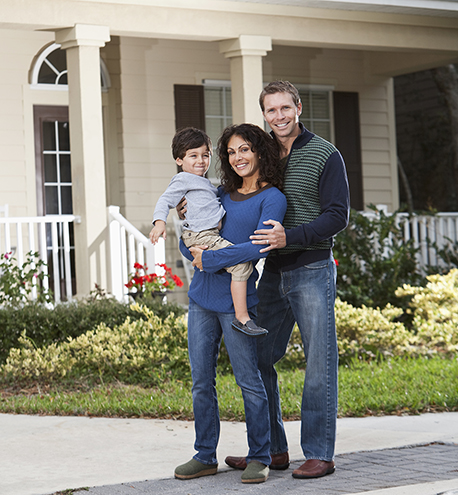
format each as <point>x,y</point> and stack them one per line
<point>18,283</point>
<point>374,260</point>
<point>46,325</point>
<point>145,351</point>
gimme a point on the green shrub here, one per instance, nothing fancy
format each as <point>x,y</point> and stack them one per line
<point>374,260</point>
<point>434,309</point>
<point>46,325</point>
<point>145,351</point>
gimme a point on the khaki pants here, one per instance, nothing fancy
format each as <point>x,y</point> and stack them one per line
<point>212,239</point>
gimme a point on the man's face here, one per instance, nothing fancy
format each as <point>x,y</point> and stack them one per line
<point>282,114</point>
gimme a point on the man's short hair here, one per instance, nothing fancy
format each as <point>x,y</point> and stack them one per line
<point>279,87</point>
<point>188,139</point>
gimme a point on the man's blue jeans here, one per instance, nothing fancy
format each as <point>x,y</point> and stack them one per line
<point>205,329</point>
<point>305,295</point>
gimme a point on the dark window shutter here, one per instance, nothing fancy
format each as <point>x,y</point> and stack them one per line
<point>189,106</point>
<point>348,141</point>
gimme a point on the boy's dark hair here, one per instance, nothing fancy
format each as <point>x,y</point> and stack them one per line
<point>261,143</point>
<point>187,139</point>
<point>279,87</point>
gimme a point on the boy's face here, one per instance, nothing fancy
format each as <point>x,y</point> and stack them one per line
<point>196,161</point>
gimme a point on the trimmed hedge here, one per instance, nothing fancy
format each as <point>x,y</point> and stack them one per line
<point>44,325</point>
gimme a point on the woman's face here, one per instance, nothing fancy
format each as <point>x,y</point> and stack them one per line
<point>241,157</point>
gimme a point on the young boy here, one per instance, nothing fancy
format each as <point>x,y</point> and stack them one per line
<point>191,149</point>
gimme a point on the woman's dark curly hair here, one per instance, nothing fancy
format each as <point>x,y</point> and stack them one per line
<point>261,143</point>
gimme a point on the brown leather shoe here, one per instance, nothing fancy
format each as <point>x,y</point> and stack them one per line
<point>314,468</point>
<point>279,462</point>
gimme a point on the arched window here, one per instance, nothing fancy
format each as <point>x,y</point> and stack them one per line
<point>50,70</point>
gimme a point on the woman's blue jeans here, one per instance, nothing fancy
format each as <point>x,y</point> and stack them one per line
<point>205,330</point>
<point>305,295</point>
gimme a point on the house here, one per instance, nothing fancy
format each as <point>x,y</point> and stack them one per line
<point>109,81</point>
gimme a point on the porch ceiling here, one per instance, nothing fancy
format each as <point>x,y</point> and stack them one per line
<point>448,8</point>
<point>389,31</point>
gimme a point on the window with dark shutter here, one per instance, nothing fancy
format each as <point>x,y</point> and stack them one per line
<point>348,141</point>
<point>189,106</point>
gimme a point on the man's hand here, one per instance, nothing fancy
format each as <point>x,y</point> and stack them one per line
<point>275,237</point>
<point>182,208</point>
<point>157,231</point>
<point>197,251</point>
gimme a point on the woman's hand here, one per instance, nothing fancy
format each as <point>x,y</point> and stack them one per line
<point>196,252</point>
<point>274,237</point>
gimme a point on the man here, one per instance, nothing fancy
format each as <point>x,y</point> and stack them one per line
<point>298,284</point>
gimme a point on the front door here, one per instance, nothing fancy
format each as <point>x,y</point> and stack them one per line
<point>54,180</point>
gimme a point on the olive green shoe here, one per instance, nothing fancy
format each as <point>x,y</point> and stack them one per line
<point>194,469</point>
<point>255,472</point>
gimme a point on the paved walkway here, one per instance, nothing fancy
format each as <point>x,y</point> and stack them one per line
<point>41,455</point>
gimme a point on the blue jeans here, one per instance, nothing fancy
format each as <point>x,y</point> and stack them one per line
<point>205,330</point>
<point>305,295</point>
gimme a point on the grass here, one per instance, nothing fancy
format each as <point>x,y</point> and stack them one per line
<point>395,386</point>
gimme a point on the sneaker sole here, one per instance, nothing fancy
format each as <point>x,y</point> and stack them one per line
<point>205,472</point>
<point>257,480</point>
<point>251,334</point>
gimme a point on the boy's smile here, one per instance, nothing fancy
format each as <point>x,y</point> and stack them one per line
<point>196,161</point>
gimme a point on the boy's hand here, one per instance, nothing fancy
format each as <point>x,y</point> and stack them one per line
<point>182,208</point>
<point>157,231</point>
<point>275,238</point>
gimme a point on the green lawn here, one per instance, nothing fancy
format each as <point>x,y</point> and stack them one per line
<point>395,386</point>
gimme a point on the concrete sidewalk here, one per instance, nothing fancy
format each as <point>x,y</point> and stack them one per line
<point>41,455</point>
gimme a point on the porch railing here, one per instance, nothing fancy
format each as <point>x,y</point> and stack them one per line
<point>128,246</point>
<point>429,233</point>
<point>50,237</point>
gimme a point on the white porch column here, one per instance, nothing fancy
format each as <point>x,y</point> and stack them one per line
<point>82,44</point>
<point>245,54</point>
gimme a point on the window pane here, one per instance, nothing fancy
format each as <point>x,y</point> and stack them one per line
<point>46,75</point>
<point>58,59</point>
<point>63,79</point>
<point>320,105</point>
<point>213,101</point>
<point>64,136</point>
<point>65,168</point>
<point>228,102</point>
<point>51,200</point>
<point>49,136</point>
<point>66,193</point>
<point>322,129</point>
<point>50,168</point>
<point>305,98</point>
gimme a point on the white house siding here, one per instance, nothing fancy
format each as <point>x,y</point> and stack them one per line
<point>17,164</point>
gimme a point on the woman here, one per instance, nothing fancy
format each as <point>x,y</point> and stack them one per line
<point>250,177</point>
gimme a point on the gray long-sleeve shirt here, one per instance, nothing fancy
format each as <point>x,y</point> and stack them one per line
<point>204,210</point>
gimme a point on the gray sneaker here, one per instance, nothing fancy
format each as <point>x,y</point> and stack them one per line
<point>194,469</point>
<point>255,472</point>
<point>248,328</point>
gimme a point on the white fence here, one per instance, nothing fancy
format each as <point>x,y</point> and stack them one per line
<point>429,233</point>
<point>52,237</point>
<point>127,247</point>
